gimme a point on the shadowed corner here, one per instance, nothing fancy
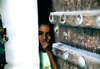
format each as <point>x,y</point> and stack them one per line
<point>44,9</point>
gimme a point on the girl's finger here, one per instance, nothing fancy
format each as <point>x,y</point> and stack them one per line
<point>41,38</point>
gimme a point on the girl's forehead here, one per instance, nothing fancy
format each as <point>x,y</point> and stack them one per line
<point>44,28</point>
<point>44,24</point>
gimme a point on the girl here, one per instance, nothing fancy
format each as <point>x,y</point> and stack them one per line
<point>45,46</point>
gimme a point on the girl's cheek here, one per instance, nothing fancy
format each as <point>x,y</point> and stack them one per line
<point>49,37</point>
<point>48,40</point>
<point>40,38</point>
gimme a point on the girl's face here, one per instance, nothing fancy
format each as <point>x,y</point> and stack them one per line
<point>44,33</point>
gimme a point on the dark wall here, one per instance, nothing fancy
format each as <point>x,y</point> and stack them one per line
<point>44,9</point>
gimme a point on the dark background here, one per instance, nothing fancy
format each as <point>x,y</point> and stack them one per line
<point>44,9</point>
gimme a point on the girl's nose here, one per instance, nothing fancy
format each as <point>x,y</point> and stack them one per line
<point>44,36</point>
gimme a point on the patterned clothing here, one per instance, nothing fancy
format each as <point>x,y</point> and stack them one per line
<point>44,60</point>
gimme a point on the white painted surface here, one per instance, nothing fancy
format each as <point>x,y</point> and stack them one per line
<point>21,19</point>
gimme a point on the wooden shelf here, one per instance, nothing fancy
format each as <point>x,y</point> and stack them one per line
<point>87,18</point>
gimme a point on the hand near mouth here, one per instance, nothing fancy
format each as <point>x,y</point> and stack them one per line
<point>45,44</point>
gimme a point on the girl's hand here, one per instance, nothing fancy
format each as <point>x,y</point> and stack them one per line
<point>45,44</point>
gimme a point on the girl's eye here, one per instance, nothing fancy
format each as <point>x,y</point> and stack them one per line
<point>49,34</point>
<point>40,33</point>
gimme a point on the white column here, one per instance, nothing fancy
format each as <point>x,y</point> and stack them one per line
<point>21,19</point>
